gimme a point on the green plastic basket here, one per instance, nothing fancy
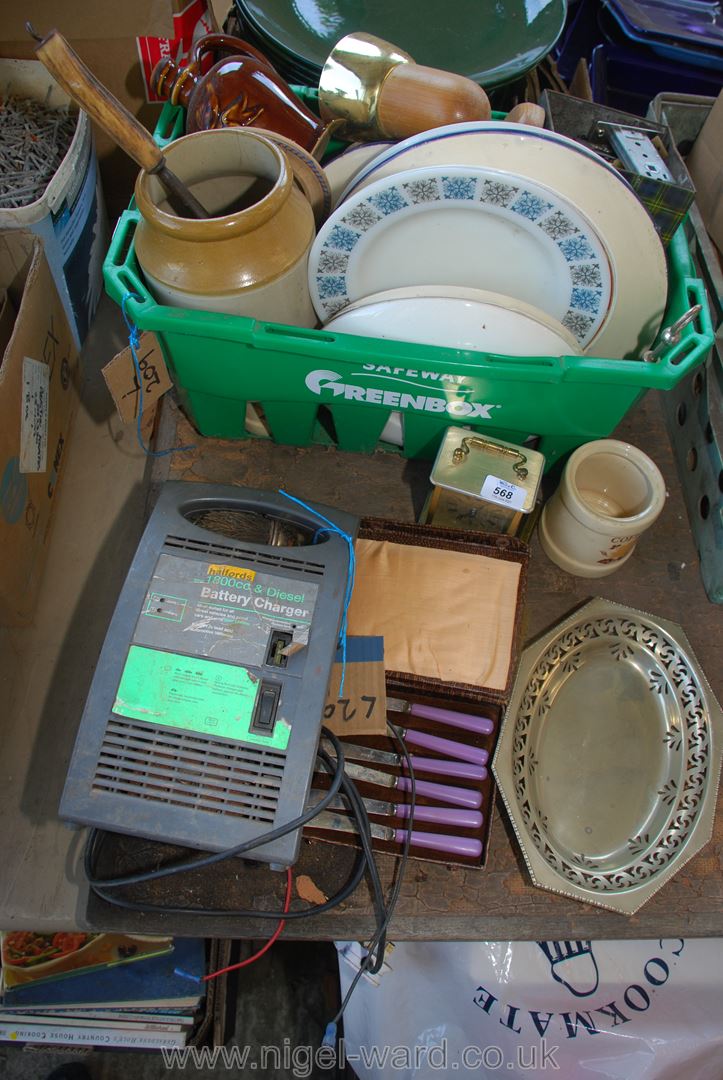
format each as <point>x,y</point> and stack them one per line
<point>321,387</point>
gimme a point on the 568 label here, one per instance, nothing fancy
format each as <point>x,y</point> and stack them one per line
<point>503,493</point>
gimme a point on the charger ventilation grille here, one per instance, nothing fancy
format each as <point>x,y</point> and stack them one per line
<point>175,544</point>
<point>189,770</point>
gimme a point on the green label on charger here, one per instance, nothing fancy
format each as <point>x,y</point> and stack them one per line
<point>194,694</point>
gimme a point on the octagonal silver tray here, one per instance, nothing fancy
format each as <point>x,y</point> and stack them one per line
<point>609,756</point>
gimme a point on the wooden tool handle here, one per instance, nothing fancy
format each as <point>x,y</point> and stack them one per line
<point>415,98</point>
<point>68,69</point>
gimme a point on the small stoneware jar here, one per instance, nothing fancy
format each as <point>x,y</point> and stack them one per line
<point>610,493</point>
<point>248,258</point>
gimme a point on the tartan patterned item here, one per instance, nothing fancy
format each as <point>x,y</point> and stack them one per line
<point>666,203</point>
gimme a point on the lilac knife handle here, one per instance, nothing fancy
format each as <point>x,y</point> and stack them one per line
<point>457,750</point>
<point>480,724</point>
<point>463,770</point>
<point>453,845</point>
<point>442,815</point>
<point>452,796</point>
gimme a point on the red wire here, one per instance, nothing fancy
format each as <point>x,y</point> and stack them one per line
<point>265,948</point>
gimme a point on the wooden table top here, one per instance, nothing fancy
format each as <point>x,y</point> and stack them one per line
<point>439,901</point>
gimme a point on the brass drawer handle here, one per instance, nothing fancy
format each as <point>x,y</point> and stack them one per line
<point>480,443</point>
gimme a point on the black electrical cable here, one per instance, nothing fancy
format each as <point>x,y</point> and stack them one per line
<point>371,963</point>
<point>227,853</point>
<point>380,946</point>
<point>359,811</point>
<point>374,958</point>
<point>244,913</point>
<point>366,858</point>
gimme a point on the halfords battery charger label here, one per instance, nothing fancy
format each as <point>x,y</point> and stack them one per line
<point>219,610</point>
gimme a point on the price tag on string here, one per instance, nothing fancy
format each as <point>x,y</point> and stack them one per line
<point>121,380</point>
<point>363,708</point>
<point>503,493</point>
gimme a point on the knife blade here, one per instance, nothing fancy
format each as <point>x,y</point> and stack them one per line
<point>436,815</point>
<point>463,770</point>
<point>467,721</point>
<point>446,794</point>
<point>465,846</point>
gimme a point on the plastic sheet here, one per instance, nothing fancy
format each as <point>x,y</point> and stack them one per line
<point>577,1010</point>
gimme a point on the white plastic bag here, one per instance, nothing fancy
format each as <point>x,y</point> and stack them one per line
<point>576,1010</point>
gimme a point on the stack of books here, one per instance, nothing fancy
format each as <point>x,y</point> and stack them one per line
<point>100,989</point>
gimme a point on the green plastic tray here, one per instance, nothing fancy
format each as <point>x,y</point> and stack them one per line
<point>315,386</point>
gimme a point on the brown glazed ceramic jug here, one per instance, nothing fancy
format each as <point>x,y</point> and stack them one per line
<point>250,258</point>
<point>241,90</point>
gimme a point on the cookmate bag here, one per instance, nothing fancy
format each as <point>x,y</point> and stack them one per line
<point>574,1010</point>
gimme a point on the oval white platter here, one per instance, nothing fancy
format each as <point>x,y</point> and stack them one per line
<point>609,756</point>
<point>581,177</point>
<point>464,227</point>
<point>456,318</point>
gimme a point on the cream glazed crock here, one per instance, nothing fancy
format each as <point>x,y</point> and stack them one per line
<point>250,258</point>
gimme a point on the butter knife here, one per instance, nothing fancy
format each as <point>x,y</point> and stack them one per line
<point>443,793</point>
<point>462,770</point>
<point>449,747</point>
<point>435,815</point>
<point>450,717</point>
<point>464,846</point>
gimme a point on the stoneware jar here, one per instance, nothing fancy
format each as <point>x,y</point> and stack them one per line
<point>250,257</point>
<point>609,494</point>
<point>241,90</point>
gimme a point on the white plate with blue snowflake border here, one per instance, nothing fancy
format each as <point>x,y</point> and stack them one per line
<point>587,182</point>
<point>470,228</point>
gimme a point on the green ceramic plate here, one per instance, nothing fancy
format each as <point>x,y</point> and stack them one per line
<point>491,41</point>
<point>288,64</point>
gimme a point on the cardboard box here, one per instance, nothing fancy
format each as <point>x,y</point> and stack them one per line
<point>705,164</point>
<point>38,393</point>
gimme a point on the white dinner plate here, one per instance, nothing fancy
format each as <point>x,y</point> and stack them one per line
<point>586,181</point>
<point>465,227</point>
<point>455,318</point>
<point>346,166</point>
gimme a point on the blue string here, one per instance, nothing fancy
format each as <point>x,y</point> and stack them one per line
<point>187,975</point>
<point>349,541</point>
<point>134,341</point>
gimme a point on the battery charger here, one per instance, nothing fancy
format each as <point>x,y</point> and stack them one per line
<point>203,717</point>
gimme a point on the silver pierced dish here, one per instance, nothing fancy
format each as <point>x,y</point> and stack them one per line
<point>609,756</point>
